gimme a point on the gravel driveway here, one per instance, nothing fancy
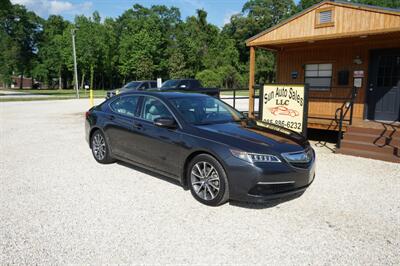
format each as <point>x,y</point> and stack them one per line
<point>59,206</point>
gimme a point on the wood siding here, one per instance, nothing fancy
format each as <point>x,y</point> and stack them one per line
<point>341,54</point>
<point>348,21</point>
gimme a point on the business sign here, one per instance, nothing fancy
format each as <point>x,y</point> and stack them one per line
<point>285,105</point>
<point>358,73</point>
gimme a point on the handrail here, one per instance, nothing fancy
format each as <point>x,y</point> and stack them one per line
<point>348,105</point>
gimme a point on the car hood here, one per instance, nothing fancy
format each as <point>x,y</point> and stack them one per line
<point>254,136</point>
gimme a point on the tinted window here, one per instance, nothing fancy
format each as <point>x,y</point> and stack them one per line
<point>195,84</point>
<point>126,105</point>
<point>144,86</point>
<point>205,110</point>
<point>131,85</point>
<point>153,85</point>
<point>170,83</point>
<point>153,109</point>
<point>184,84</point>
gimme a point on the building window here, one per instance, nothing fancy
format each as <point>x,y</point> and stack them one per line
<point>324,17</point>
<point>318,76</point>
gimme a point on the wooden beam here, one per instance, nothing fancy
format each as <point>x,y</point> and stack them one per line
<point>251,80</point>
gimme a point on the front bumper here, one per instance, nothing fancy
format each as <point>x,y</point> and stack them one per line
<point>260,182</point>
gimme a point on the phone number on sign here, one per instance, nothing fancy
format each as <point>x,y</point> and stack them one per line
<point>286,124</point>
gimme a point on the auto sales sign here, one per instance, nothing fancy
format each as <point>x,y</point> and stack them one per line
<point>285,105</point>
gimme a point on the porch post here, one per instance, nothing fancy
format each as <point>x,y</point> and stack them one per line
<point>251,80</point>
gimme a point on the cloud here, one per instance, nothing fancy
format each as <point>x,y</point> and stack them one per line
<point>228,15</point>
<point>56,7</point>
<point>195,3</point>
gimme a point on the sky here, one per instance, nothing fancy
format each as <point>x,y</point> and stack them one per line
<point>219,11</point>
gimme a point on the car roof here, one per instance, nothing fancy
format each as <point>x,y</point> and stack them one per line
<point>168,95</point>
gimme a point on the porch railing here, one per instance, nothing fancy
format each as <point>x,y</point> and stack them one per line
<point>340,115</point>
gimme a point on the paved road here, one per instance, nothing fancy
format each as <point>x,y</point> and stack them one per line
<point>58,206</point>
<point>5,94</point>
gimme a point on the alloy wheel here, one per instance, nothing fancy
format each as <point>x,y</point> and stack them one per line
<point>99,147</point>
<point>205,180</point>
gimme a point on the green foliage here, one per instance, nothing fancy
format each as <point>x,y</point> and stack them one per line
<point>142,43</point>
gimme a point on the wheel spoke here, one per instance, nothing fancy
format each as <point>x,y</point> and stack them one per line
<point>196,175</point>
<point>209,190</point>
<point>202,185</point>
<point>213,186</point>
<point>199,170</point>
<point>209,172</point>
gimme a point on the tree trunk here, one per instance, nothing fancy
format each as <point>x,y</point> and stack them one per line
<point>32,83</point>
<point>21,80</point>
<point>83,81</point>
<point>91,76</point>
<point>59,80</point>
<point>102,81</point>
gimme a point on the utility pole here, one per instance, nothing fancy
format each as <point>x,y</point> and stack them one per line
<point>75,66</point>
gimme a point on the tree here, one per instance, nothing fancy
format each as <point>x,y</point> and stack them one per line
<point>256,16</point>
<point>20,30</point>
<point>51,65</point>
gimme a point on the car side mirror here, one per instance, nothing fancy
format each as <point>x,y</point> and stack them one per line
<point>165,122</point>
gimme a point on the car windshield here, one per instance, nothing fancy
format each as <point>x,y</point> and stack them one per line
<point>201,110</point>
<point>170,83</point>
<point>132,84</point>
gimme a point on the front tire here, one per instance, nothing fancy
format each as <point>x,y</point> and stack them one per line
<point>207,180</point>
<point>100,150</point>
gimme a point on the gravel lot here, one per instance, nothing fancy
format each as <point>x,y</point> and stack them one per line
<point>59,206</point>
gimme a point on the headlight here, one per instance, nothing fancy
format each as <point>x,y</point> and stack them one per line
<point>299,157</point>
<point>255,157</point>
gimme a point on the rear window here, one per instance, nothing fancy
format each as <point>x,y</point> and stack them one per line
<point>126,105</point>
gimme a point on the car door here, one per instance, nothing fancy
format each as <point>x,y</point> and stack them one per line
<point>120,128</point>
<point>160,148</point>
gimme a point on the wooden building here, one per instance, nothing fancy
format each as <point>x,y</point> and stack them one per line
<point>333,46</point>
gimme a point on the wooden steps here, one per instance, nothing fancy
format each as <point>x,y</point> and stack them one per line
<point>376,143</point>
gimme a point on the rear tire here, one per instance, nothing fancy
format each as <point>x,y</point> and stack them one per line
<point>100,149</point>
<point>207,180</point>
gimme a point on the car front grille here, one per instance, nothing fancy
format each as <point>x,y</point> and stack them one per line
<point>302,159</point>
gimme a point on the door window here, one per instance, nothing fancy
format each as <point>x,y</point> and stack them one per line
<point>153,109</point>
<point>126,105</point>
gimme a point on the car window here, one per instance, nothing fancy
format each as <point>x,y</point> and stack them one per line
<point>126,105</point>
<point>184,84</point>
<point>153,85</point>
<point>144,86</point>
<point>205,110</point>
<point>170,83</point>
<point>153,109</point>
<point>131,85</point>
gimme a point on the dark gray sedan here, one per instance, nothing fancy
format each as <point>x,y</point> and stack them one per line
<point>208,146</point>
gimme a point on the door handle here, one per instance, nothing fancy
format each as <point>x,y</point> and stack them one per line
<point>137,125</point>
<point>111,117</point>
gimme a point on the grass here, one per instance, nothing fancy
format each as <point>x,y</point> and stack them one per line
<point>50,95</point>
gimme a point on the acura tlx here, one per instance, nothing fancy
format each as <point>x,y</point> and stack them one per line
<point>208,146</point>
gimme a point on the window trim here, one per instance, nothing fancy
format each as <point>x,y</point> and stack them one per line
<point>318,12</point>
<point>320,88</point>
<point>124,96</point>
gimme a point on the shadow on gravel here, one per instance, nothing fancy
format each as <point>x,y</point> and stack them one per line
<point>265,205</point>
<point>151,173</point>
<point>247,205</point>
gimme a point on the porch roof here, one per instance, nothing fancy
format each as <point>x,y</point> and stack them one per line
<point>347,20</point>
